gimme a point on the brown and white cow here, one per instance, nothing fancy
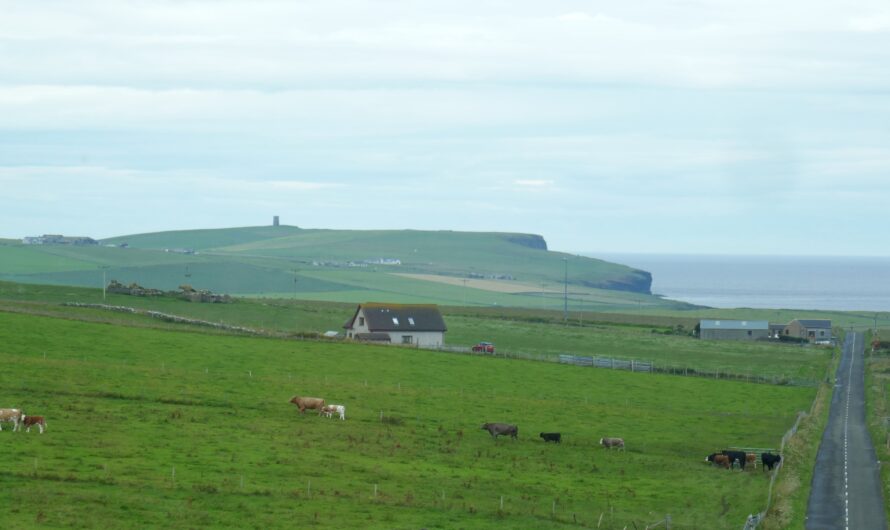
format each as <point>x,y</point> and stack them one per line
<point>304,403</point>
<point>30,421</point>
<point>751,458</point>
<point>11,415</point>
<point>612,442</point>
<point>718,460</point>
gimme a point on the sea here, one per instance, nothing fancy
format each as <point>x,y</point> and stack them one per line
<point>781,282</point>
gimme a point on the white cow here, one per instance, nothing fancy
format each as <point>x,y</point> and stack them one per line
<point>11,415</point>
<point>329,410</point>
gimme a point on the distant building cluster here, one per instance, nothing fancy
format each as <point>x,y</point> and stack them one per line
<point>476,275</point>
<point>816,331</point>
<point>58,239</point>
<point>189,251</point>
<point>358,264</point>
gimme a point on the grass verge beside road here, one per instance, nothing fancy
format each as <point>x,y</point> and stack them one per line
<point>877,403</point>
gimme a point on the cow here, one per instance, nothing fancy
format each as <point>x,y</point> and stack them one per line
<point>736,457</point>
<point>11,415</point>
<point>718,459</point>
<point>751,458</point>
<point>769,460</point>
<point>498,429</point>
<point>30,421</point>
<point>612,442</point>
<point>304,403</point>
<point>329,410</point>
<point>551,437</point>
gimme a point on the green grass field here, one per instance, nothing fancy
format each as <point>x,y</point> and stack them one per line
<point>328,265</point>
<point>159,428</point>
<point>517,331</point>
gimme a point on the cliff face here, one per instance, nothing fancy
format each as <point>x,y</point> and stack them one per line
<point>636,281</point>
<point>528,240</point>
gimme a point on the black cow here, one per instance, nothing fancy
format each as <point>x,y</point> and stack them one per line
<point>551,437</point>
<point>498,429</point>
<point>736,456</point>
<point>769,460</point>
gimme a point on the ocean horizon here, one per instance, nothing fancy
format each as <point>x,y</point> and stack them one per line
<point>832,283</point>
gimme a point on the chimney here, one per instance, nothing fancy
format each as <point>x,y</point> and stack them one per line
<point>275,221</point>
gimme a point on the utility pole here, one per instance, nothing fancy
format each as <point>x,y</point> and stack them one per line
<point>565,295</point>
<point>104,282</point>
<point>295,284</point>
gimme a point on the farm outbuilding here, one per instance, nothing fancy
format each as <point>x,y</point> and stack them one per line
<point>734,329</point>
<point>814,330</point>
<point>413,324</point>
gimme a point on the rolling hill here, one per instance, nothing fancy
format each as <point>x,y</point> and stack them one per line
<point>446,267</point>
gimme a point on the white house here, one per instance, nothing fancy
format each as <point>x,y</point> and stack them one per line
<point>418,325</point>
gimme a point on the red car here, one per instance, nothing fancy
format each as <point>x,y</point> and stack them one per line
<point>484,347</point>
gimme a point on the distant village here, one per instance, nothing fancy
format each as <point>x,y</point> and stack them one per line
<point>58,239</point>
<point>359,264</point>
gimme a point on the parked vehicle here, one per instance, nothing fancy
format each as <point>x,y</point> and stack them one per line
<point>484,347</point>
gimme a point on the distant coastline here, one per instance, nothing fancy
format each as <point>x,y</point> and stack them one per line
<point>786,282</point>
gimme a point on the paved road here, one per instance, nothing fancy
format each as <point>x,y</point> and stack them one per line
<point>846,492</point>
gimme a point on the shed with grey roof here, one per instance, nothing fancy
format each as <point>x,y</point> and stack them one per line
<point>734,329</point>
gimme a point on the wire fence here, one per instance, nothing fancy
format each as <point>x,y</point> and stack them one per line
<point>645,366</point>
<point>755,519</point>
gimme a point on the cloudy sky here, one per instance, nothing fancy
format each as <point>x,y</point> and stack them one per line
<point>682,126</point>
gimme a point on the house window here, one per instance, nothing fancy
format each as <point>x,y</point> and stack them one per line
<point>407,339</point>
<point>395,320</point>
<point>411,320</point>
<point>749,332</point>
<point>821,333</point>
<point>361,321</point>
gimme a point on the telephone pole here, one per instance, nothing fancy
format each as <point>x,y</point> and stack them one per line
<point>565,295</point>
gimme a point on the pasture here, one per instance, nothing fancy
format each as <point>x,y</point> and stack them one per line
<point>519,331</point>
<point>153,427</point>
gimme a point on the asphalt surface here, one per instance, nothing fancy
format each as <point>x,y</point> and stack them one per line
<point>846,493</point>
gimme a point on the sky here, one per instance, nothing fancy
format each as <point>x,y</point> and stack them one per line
<point>653,126</point>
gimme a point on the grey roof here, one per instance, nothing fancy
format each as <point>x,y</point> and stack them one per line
<point>734,324</point>
<point>815,323</point>
<point>399,317</point>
